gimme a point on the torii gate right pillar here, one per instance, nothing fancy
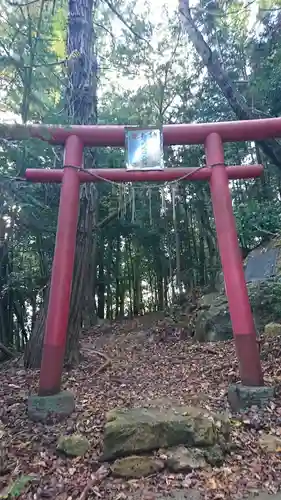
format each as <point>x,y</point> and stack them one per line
<point>244,331</point>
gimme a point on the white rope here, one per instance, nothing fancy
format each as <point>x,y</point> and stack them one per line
<point>152,186</point>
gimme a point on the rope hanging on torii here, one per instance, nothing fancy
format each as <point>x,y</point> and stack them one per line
<point>144,152</point>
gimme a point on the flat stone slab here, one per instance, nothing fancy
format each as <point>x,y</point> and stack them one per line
<point>40,408</point>
<point>265,496</point>
<point>174,494</point>
<point>181,495</point>
<point>136,430</point>
<point>136,466</point>
<point>191,494</point>
<point>241,397</point>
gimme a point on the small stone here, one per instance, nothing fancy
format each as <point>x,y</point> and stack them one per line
<point>214,456</point>
<point>189,494</point>
<point>136,466</point>
<point>75,445</point>
<point>270,443</point>
<point>272,329</point>
<point>182,459</point>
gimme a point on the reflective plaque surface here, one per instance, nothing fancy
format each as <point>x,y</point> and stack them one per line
<point>144,149</point>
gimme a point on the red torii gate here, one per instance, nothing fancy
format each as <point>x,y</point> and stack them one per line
<point>212,135</point>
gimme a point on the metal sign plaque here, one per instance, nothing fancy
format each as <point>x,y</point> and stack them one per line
<point>144,149</point>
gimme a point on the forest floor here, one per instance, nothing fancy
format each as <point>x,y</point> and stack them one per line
<point>141,370</point>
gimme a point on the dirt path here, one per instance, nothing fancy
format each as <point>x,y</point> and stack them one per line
<point>139,374</point>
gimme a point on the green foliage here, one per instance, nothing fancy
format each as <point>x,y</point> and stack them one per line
<point>16,488</point>
<point>265,300</point>
<point>257,220</point>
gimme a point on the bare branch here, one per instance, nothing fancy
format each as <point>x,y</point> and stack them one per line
<point>236,100</point>
<point>99,476</point>
<point>105,29</point>
<point>24,4</point>
<point>6,351</point>
<point>121,18</point>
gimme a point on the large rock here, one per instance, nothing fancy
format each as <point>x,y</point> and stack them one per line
<point>136,466</point>
<point>131,431</point>
<point>213,319</point>
<point>262,269</point>
<point>265,299</point>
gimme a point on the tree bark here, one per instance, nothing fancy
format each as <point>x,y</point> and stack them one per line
<point>235,99</point>
<point>81,108</point>
<point>101,280</point>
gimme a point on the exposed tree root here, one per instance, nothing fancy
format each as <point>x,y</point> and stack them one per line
<point>99,476</point>
<point>9,354</point>
<point>105,365</point>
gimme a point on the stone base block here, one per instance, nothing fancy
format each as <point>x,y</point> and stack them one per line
<point>242,397</point>
<point>41,408</point>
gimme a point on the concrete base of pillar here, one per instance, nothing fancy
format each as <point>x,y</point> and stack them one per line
<point>41,408</point>
<point>242,397</point>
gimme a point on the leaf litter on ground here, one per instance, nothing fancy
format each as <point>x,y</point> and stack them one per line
<point>141,372</point>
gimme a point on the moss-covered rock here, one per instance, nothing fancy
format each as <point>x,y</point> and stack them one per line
<point>265,298</point>
<point>182,459</point>
<point>74,445</point>
<point>136,466</point>
<point>214,455</point>
<point>270,443</point>
<point>263,272</point>
<point>213,319</point>
<point>137,430</point>
<point>272,330</point>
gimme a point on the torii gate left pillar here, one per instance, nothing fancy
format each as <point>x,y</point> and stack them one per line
<point>50,398</point>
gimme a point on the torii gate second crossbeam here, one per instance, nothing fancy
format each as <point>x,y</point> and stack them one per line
<point>212,135</point>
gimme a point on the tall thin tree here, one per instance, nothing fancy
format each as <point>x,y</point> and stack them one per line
<point>81,108</point>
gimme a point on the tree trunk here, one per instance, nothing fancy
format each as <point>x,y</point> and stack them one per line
<point>109,312</point>
<point>236,100</point>
<point>122,301</point>
<point>160,304</point>
<point>4,289</point>
<point>33,350</point>
<point>137,285</point>
<point>117,277</point>
<point>130,275</point>
<point>90,311</point>
<point>177,237</point>
<point>81,107</point>
<point>166,300</point>
<point>101,280</point>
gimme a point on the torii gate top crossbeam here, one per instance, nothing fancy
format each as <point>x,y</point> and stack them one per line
<point>114,135</point>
